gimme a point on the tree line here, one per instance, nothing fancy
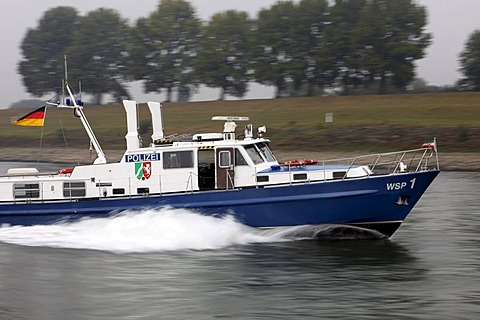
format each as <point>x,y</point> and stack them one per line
<point>302,48</point>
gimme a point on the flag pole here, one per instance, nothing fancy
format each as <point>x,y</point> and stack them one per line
<point>41,135</point>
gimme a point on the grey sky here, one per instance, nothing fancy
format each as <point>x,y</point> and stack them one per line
<point>451,22</point>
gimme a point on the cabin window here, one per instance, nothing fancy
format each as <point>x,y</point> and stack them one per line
<point>339,175</point>
<point>263,178</point>
<point>267,153</point>
<point>143,191</point>
<point>26,190</point>
<point>224,157</point>
<point>300,176</point>
<point>178,159</point>
<point>239,159</point>
<point>254,154</point>
<point>74,189</point>
<point>118,191</point>
<point>103,184</point>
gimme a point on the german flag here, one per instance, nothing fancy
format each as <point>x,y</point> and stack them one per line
<point>33,119</point>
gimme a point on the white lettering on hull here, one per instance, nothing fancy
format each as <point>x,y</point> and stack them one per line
<point>400,185</point>
<point>142,157</point>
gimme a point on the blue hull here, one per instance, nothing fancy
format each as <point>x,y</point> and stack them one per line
<point>369,202</point>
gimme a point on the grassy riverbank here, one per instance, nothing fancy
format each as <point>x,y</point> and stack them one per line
<point>360,123</point>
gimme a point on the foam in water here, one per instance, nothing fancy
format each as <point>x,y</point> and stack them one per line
<point>167,229</point>
<point>146,231</point>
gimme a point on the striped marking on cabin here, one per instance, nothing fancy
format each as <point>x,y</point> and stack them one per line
<point>163,141</point>
<point>205,147</point>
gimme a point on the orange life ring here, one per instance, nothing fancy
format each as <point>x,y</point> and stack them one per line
<point>299,163</point>
<point>65,171</point>
<point>293,163</point>
<point>309,162</point>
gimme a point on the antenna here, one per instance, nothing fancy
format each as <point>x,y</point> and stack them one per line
<point>62,99</point>
<point>66,70</point>
<point>78,111</point>
<point>230,118</point>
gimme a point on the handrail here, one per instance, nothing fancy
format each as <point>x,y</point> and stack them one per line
<point>190,182</point>
<point>229,178</point>
<point>398,162</point>
<point>413,160</point>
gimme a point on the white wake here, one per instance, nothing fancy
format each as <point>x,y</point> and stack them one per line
<point>147,231</point>
<point>167,230</point>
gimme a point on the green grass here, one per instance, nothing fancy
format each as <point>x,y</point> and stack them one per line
<point>369,122</point>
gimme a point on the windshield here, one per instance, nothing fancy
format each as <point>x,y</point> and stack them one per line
<point>254,153</point>
<point>267,153</point>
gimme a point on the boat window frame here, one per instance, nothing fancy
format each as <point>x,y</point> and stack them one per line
<point>182,162</point>
<point>221,159</point>
<point>300,176</point>
<point>30,190</point>
<point>144,191</point>
<point>240,159</point>
<point>265,150</point>
<point>252,150</point>
<point>74,189</point>
<point>118,191</point>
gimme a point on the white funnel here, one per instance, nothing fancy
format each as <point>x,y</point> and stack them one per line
<point>156,111</point>
<point>133,141</point>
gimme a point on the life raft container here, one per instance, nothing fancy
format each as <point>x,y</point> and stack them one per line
<point>300,163</point>
<point>65,171</point>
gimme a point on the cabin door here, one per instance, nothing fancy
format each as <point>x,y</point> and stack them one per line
<point>206,168</point>
<point>225,168</point>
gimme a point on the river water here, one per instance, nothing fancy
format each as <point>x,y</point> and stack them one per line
<point>175,264</point>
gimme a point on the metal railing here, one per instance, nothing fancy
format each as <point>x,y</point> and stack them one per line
<point>414,160</point>
<point>189,187</point>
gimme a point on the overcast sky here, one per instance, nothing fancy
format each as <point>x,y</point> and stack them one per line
<point>450,22</point>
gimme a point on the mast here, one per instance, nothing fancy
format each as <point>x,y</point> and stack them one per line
<point>78,110</point>
<point>96,145</point>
